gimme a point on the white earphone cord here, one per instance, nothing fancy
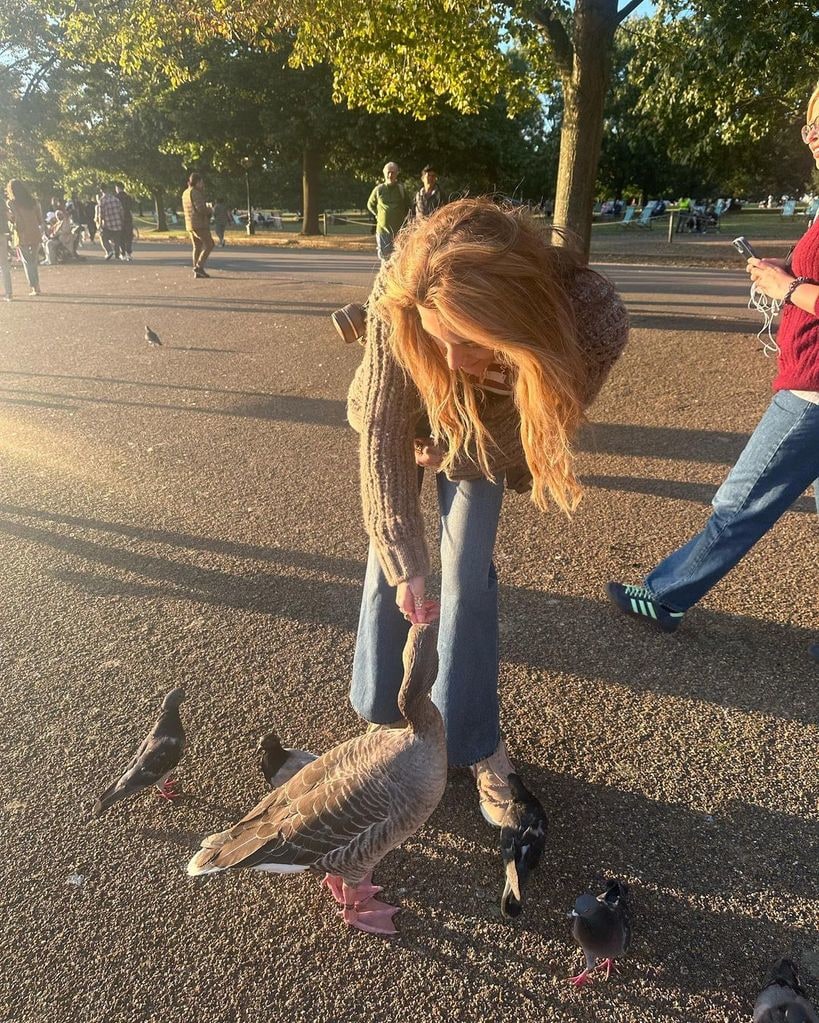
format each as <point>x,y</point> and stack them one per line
<point>769,309</point>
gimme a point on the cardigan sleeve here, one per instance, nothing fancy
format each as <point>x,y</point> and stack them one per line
<point>386,407</point>
<point>602,327</point>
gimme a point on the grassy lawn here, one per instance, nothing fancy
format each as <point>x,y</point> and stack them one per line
<point>764,225</point>
<point>769,232</point>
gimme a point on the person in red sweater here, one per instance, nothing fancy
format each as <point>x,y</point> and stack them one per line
<point>781,458</point>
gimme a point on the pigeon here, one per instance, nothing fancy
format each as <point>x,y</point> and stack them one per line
<point>280,764</point>
<point>153,762</point>
<point>601,925</point>
<point>522,840</point>
<point>152,337</point>
<point>782,1000</point>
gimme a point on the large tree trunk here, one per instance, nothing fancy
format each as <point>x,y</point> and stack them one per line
<point>310,181</point>
<point>581,133</point>
<point>159,206</point>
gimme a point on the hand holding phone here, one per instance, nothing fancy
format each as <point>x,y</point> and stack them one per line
<point>744,248</point>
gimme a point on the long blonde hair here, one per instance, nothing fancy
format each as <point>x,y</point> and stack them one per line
<point>492,277</point>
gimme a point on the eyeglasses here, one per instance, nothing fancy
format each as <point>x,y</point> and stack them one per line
<point>810,131</point>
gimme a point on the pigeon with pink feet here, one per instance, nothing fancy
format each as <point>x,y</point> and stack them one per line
<point>154,761</point>
<point>601,925</point>
<point>342,813</point>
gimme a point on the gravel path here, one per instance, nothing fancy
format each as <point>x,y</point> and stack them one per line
<point>190,516</point>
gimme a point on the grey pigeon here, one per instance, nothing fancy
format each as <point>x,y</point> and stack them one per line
<point>782,1000</point>
<point>152,337</point>
<point>601,925</point>
<point>279,764</point>
<point>153,762</point>
<point>522,840</point>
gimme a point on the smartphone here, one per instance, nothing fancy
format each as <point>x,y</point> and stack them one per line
<point>744,247</point>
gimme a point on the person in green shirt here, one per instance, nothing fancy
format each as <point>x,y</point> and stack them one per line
<point>389,204</point>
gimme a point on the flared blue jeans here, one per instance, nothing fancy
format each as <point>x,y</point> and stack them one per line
<point>466,691</point>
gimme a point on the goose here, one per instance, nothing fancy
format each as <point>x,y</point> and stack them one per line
<point>601,925</point>
<point>342,813</point>
<point>152,764</point>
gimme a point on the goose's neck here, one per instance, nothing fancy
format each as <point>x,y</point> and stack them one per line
<point>422,715</point>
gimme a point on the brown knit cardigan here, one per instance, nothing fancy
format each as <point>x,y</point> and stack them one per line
<point>384,407</point>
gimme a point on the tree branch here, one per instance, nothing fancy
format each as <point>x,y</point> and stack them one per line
<point>630,6</point>
<point>39,75</point>
<point>545,17</point>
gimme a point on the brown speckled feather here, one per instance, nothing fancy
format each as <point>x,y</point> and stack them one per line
<point>345,811</point>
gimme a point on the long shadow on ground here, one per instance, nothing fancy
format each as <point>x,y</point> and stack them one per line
<point>533,622</point>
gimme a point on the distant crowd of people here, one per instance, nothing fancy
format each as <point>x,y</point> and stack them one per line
<point>54,236</point>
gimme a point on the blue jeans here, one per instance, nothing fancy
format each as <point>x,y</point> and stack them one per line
<point>779,462</point>
<point>466,691</point>
<point>30,256</point>
<point>384,242</point>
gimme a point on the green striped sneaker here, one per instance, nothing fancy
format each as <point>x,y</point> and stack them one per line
<point>638,601</point>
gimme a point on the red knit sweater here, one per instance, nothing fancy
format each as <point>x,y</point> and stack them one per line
<point>798,335</point>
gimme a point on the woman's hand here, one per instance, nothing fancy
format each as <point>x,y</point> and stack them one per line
<point>427,454</point>
<point>770,277</point>
<point>412,603</point>
<point>783,264</point>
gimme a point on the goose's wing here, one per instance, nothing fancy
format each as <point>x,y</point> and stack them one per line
<point>336,811</point>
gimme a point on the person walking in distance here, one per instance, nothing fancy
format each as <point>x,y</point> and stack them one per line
<point>89,210</point>
<point>27,221</point>
<point>389,204</point>
<point>428,198</point>
<point>110,220</point>
<point>197,223</point>
<point>127,221</point>
<point>781,458</point>
<point>221,219</point>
